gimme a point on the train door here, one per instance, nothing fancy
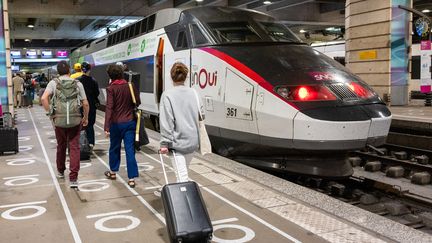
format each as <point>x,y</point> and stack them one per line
<point>238,102</point>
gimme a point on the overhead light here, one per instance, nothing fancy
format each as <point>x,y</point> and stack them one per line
<point>267,2</point>
<point>27,40</point>
<point>426,10</point>
<point>303,31</point>
<point>199,0</point>
<point>330,29</point>
<point>31,22</point>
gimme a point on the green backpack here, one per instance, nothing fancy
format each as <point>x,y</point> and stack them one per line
<point>65,103</point>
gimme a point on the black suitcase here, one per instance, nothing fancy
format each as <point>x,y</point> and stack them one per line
<point>84,146</point>
<point>9,140</point>
<point>186,215</point>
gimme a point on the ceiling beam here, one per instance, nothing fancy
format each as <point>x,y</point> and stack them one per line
<point>287,4</point>
<point>236,3</point>
<point>152,3</point>
<point>179,3</point>
<point>318,23</point>
<point>58,24</point>
<point>255,4</point>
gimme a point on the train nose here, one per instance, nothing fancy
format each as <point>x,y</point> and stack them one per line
<point>341,131</point>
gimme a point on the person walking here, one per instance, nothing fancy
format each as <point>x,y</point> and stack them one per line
<point>120,123</point>
<point>92,92</point>
<point>18,87</point>
<point>64,111</point>
<point>178,119</point>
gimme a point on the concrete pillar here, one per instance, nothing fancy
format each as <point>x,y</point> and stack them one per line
<point>374,48</point>
<point>6,95</point>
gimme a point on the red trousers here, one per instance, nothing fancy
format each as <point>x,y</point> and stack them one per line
<point>63,136</point>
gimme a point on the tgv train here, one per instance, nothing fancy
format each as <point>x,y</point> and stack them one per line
<point>270,100</point>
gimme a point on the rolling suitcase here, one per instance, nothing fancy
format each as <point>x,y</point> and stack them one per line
<point>84,146</point>
<point>186,215</point>
<point>8,134</point>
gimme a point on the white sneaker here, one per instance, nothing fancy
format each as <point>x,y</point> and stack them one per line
<point>73,184</point>
<point>60,175</point>
<point>157,193</point>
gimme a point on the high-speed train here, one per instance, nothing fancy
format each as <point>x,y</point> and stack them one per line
<point>270,100</point>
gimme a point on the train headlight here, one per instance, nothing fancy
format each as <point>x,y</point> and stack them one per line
<point>305,93</point>
<point>360,90</point>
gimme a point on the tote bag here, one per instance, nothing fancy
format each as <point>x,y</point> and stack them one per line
<point>205,145</point>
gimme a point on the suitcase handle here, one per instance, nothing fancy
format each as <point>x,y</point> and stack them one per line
<point>163,165</point>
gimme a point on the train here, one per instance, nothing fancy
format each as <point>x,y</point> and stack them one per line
<point>270,100</point>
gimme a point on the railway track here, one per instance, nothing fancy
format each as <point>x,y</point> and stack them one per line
<point>393,181</point>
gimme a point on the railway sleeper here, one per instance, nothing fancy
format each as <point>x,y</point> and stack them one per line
<point>395,172</point>
<point>421,178</point>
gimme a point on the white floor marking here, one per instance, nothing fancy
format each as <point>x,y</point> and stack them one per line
<point>224,221</point>
<point>22,204</point>
<point>69,218</point>
<point>108,214</point>
<point>20,161</point>
<point>8,213</point>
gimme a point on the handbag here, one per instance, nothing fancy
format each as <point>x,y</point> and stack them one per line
<point>141,137</point>
<point>204,141</point>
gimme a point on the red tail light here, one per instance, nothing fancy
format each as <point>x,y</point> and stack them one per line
<point>359,90</point>
<point>305,93</point>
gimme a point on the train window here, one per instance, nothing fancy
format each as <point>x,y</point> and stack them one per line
<point>144,25</point>
<point>131,31</point>
<point>230,32</point>
<point>198,36</point>
<point>181,40</point>
<point>279,32</point>
<point>151,22</point>
<point>110,38</point>
<point>117,37</point>
<point>123,35</point>
<point>137,28</point>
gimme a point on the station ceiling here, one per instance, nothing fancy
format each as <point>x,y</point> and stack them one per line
<point>69,23</point>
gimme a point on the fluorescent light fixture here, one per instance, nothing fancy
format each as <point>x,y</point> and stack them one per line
<point>199,0</point>
<point>267,2</point>
<point>330,29</point>
<point>27,40</point>
<point>303,31</point>
<point>426,10</point>
<point>30,26</point>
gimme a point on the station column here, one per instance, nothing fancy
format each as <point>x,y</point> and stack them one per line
<point>6,96</point>
<point>377,45</point>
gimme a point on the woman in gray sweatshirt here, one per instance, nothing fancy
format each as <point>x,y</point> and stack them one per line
<point>178,117</point>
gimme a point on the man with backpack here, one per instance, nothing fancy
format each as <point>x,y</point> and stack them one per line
<point>64,110</point>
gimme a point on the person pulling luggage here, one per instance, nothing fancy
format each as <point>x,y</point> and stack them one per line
<point>178,122</point>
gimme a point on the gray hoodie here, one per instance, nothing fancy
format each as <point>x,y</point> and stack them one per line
<point>178,119</point>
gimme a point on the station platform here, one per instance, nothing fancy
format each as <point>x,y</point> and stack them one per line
<point>245,204</point>
<point>415,115</point>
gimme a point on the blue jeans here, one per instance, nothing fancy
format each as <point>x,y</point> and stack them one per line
<point>123,131</point>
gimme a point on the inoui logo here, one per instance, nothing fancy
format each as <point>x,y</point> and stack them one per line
<point>129,50</point>
<point>143,44</point>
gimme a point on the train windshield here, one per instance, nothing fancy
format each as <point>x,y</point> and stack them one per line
<point>240,26</point>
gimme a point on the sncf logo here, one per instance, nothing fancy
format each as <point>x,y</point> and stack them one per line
<point>204,78</point>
